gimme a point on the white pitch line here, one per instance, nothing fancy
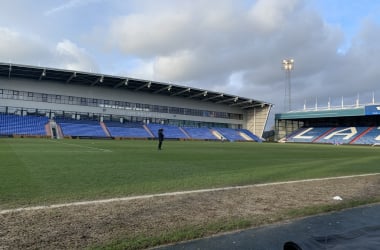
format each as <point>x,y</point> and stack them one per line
<point>140,197</point>
<point>82,146</point>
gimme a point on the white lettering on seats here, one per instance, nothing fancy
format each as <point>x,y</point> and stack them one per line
<point>342,132</point>
<point>377,137</point>
<point>301,135</point>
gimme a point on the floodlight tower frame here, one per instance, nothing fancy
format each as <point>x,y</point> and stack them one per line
<point>288,66</point>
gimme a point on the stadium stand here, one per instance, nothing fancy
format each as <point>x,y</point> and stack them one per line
<point>170,131</point>
<point>341,135</point>
<point>85,128</point>
<point>230,134</point>
<point>22,125</point>
<point>250,134</point>
<point>308,134</point>
<point>371,136</point>
<point>345,124</point>
<point>36,126</point>
<point>127,130</point>
<point>337,135</point>
<point>120,98</point>
<point>200,133</point>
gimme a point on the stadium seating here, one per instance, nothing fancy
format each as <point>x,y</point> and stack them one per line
<point>170,131</point>
<point>127,130</point>
<point>370,136</point>
<point>230,134</point>
<point>85,128</point>
<point>308,134</point>
<point>341,135</point>
<point>200,133</point>
<point>22,125</point>
<point>34,125</point>
<point>336,135</point>
<point>251,135</point>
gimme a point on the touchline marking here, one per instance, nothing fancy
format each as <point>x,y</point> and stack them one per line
<point>82,146</point>
<point>57,151</point>
<point>140,197</point>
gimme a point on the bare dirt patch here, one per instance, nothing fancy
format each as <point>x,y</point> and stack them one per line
<point>78,227</point>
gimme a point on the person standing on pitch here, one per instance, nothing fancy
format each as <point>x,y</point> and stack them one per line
<point>160,138</point>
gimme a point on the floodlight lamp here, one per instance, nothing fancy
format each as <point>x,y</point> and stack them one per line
<point>288,64</point>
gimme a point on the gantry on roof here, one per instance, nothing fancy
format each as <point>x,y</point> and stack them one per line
<point>125,83</point>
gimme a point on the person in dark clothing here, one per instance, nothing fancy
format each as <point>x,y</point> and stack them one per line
<point>160,138</point>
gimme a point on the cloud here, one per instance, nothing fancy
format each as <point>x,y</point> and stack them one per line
<point>141,35</point>
<point>238,49</point>
<point>74,58</point>
<point>69,5</point>
<point>206,44</point>
<point>15,47</point>
<point>356,70</point>
<point>267,15</point>
<point>21,49</point>
<point>233,46</point>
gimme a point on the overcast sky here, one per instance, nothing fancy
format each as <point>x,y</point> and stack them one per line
<point>230,46</point>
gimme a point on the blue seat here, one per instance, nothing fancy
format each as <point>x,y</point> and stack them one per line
<point>230,134</point>
<point>128,130</point>
<point>251,135</point>
<point>22,125</point>
<point>81,128</point>
<point>170,131</point>
<point>200,133</point>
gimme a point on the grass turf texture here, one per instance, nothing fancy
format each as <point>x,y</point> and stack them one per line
<point>43,171</point>
<point>190,233</point>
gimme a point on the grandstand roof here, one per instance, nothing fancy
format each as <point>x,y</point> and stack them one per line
<point>321,114</point>
<point>72,77</point>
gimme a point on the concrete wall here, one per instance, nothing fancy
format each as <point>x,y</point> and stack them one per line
<point>256,119</point>
<point>111,94</point>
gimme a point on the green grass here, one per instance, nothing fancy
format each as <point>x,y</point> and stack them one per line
<point>43,171</point>
<point>176,235</point>
<point>193,232</point>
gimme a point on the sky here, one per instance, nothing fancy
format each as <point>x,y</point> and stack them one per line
<point>229,46</point>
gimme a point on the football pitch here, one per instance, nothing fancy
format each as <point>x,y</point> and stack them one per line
<point>44,171</point>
